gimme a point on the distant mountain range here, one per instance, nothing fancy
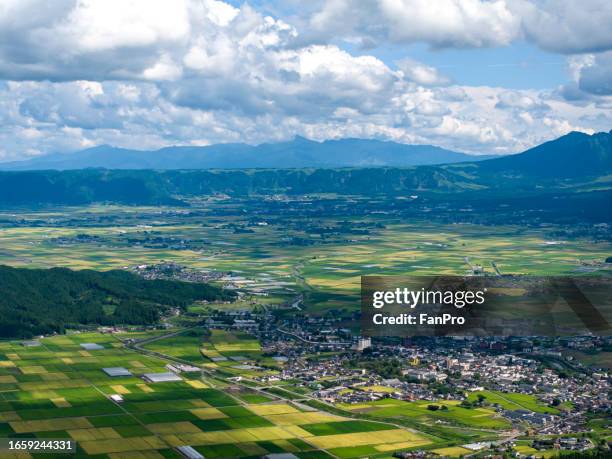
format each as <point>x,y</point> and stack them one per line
<point>297,153</point>
<point>577,165</point>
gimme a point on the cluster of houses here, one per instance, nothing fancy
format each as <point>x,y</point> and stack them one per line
<point>564,443</point>
<point>175,271</point>
<point>461,365</point>
<point>530,417</point>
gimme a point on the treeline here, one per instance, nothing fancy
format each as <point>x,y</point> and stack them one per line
<point>455,193</point>
<point>82,187</point>
<point>43,301</point>
<point>76,187</point>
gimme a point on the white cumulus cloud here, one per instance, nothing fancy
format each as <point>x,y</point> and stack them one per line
<point>150,73</point>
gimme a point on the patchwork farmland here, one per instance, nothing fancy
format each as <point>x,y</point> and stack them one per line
<point>288,387</point>
<point>54,388</point>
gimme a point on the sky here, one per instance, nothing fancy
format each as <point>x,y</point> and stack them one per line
<point>480,76</point>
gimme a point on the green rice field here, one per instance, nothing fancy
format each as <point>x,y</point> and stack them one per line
<point>57,389</point>
<point>269,260</point>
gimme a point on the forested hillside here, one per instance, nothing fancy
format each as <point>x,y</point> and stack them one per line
<point>42,301</point>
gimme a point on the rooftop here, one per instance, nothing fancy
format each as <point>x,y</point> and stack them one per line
<point>117,371</point>
<point>161,377</point>
<point>91,346</point>
<point>189,452</point>
<point>280,456</point>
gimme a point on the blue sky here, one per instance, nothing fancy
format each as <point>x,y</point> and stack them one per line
<point>517,66</point>
<point>481,76</point>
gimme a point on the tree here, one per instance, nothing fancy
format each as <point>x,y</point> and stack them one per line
<point>466,404</point>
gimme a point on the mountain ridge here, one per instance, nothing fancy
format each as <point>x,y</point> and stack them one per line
<point>575,163</point>
<point>572,155</point>
<point>297,153</point>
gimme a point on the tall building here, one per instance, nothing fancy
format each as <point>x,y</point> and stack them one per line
<point>363,343</point>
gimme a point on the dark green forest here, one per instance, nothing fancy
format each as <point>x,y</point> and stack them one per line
<point>561,201</point>
<point>43,301</point>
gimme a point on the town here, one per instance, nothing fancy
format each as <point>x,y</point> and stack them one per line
<point>524,388</point>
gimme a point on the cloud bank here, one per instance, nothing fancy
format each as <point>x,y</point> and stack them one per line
<point>150,73</point>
